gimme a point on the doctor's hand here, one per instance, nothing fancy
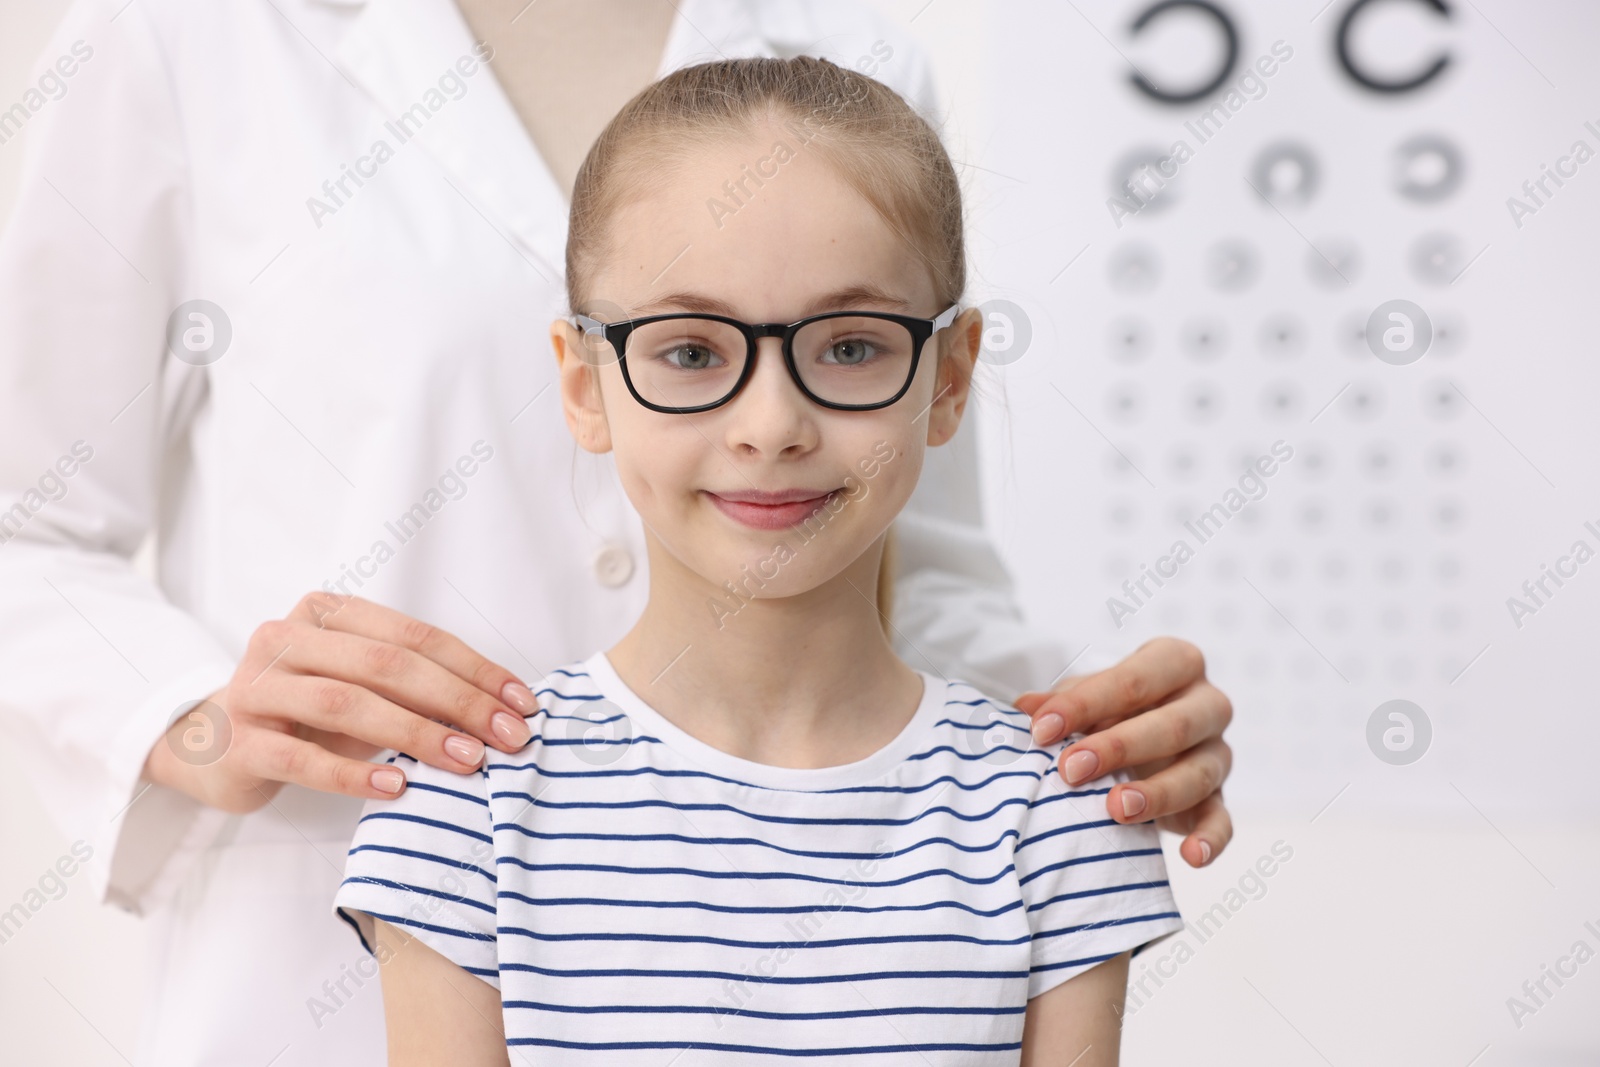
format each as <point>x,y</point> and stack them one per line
<point>322,690</point>
<point>1156,715</point>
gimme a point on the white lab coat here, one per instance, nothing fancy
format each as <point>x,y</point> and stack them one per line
<point>373,346</point>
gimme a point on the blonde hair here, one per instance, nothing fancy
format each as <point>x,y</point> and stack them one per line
<point>876,142</point>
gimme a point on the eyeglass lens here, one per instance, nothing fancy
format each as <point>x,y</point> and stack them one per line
<point>845,360</point>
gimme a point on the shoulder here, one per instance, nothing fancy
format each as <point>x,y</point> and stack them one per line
<point>992,734</point>
<point>571,709</point>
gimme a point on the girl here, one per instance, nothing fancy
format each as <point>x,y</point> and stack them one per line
<point>749,830</point>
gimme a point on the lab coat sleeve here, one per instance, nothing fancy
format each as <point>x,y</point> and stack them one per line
<point>95,658</point>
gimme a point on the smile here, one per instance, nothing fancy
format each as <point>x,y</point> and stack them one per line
<point>770,511</point>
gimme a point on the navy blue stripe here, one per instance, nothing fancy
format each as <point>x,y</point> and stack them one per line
<point>762,1050</point>
<point>1105,924</point>
<point>794,909</point>
<point>981,726</point>
<point>1087,859</point>
<point>644,739</point>
<point>565,696</point>
<point>1072,829</point>
<point>1059,830</point>
<point>1007,708</point>
<point>629,772</point>
<point>1070,794</point>
<point>753,875</point>
<point>415,924</point>
<point>975,755</point>
<point>788,820</point>
<point>426,787</point>
<point>574,718</point>
<point>777,979</point>
<point>688,839</point>
<point>774,875</point>
<point>555,742</point>
<point>1073,963</point>
<point>438,824</point>
<point>460,865</point>
<point>1098,892</point>
<point>729,942</point>
<point>703,1009</point>
<point>406,887</point>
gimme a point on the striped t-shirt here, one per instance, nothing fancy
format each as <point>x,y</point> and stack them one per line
<point>634,892</point>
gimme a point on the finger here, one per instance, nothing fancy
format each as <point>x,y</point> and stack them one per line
<point>1188,781</point>
<point>1209,831</point>
<point>357,615</point>
<point>1030,702</point>
<point>411,682</point>
<point>282,758</point>
<point>1199,714</point>
<point>338,707</point>
<point>1156,670</point>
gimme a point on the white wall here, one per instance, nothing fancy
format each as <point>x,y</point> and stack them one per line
<point>1408,912</point>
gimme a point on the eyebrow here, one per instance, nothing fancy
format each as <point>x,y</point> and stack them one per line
<point>859,295</point>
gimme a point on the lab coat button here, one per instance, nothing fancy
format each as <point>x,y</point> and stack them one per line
<point>613,565</point>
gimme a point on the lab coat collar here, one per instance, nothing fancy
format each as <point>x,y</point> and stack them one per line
<point>396,50</point>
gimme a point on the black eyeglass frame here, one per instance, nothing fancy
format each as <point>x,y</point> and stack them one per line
<point>616,334</point>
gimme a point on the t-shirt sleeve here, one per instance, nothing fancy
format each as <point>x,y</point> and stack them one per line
<point>1092,888</point>
<point>424,861</point>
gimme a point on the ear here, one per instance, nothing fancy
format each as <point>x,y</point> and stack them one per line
<point>577,357</point>
<point>959,344</point>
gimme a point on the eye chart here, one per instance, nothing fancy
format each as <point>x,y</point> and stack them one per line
<point>1292,355</point>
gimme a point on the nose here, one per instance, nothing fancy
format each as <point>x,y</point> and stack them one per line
<point>770,415</point>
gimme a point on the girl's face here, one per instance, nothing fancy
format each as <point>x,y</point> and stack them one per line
<point>799,244</point>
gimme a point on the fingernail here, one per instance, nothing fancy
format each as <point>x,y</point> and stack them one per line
<point>1082,764</point>
<point>1205,853</point>
<point>468,750</point>
<point>520,697</point>
<point>1047,729</point>
<point>388,779</point>
<point>510,729</point>
<point>1132,803</point>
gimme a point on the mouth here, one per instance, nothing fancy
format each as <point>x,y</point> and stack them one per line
<point>771,511</point>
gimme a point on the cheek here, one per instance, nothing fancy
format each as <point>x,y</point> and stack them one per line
<point>656,455</point>
<point>887,467</point>
<point>649,468</point>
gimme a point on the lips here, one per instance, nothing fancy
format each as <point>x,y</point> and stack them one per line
<point>771,510</point>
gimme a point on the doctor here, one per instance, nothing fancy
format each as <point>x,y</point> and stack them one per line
<point>277,288</point>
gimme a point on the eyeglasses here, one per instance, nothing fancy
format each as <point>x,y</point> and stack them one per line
<point>845,360</point>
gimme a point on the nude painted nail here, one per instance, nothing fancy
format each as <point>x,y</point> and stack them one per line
<point>1047,729</point>
<point>509,728</point>
<point>388,779</point>
<point>520,697</point>
<point>1132,803</point>
<point>1081,765</point>
<point>1205,853</point>
<point>468,750</point>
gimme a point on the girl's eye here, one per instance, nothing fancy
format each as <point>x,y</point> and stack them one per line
<point>849,353</point>
<point>691,357</point>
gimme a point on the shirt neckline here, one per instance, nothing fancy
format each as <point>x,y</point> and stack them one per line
<point>647,720</point>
